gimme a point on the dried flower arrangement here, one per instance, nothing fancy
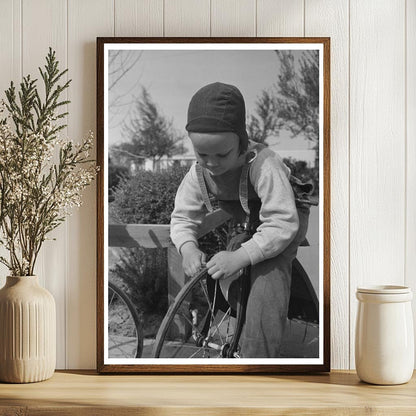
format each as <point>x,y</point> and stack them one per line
<point>42,176</point>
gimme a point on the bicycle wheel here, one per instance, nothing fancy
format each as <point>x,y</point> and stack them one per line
<point>125,328</point>
<point>199,324</point>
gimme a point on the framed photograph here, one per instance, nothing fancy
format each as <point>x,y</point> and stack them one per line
<point>213,205</point>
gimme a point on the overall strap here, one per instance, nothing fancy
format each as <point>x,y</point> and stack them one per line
<point>203,187</point>
<point>243,188</point>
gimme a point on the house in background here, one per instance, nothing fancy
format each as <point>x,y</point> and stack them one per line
<point>166,162</point>
<point>133,162</point>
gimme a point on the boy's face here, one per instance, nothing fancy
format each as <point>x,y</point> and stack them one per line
<point>217,152</point>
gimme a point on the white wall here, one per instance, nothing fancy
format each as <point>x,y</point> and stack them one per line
<point>373,132</point>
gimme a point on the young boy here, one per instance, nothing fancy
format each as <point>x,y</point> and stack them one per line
<point>246,178</point>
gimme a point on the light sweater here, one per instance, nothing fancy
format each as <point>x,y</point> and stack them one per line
<point>278,214</point>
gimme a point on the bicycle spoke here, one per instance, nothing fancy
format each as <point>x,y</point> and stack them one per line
<point>186,318</point>
<point>206,296</point>
<point>196,352</point>
<point>178,351</point>
<point>217,326</point>
<point>213,307</point>
<point>112,298</point>
<point>125,335</point>
<point>191,328</point>
<point>117,346</point>
<point>180,347</point>
<point>132,341</point>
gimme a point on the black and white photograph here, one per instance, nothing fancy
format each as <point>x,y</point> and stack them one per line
<point>214,205</point>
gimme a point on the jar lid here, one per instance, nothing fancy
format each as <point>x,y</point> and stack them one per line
<point>384,289</point>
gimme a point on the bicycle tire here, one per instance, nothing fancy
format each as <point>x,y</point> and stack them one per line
<point>181,345</point>
<point>304,303</point>
<point>125,346</point>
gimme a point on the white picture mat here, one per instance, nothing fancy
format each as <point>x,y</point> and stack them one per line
<point>210,47</point>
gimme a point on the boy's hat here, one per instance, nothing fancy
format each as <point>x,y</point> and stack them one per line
<point>218,108</point>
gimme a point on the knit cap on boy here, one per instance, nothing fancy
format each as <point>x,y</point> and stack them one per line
<point>216,108</point>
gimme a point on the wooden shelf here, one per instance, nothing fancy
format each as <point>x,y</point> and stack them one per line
<point>87,393</point>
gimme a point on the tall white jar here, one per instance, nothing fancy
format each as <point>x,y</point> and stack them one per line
<point>384,339</point>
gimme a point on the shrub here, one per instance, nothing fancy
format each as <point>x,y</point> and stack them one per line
<point>115,173</point>
<point>147,197</point>
<point>143,271</point>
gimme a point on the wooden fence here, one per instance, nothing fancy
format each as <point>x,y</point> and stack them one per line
<point>158,236</point>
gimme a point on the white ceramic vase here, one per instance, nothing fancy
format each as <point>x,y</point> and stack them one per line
<point>384,341</point>
<point>27,331</point>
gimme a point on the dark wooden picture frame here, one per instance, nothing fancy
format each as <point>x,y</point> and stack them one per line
<point>130,235</point>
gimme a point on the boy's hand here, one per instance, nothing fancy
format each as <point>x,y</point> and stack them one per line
<point>192,258</point>
<point>225,263</point>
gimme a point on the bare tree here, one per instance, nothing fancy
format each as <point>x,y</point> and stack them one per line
<point>121,62</point>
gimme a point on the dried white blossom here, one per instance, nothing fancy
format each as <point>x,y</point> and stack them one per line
<point>42,175</point>
<point>38,188</point>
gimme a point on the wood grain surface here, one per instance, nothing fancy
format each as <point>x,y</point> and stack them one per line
<point>85,393</point>
<point>329,18</point>
<point>52,257</point>
<point>233,18</point>
<point>377,143</point>
<point>85,18</point>
<point>410,258</point>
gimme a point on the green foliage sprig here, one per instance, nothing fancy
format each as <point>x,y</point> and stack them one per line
<point>37,193</point>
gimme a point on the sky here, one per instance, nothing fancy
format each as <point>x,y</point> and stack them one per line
<point>173,76</point>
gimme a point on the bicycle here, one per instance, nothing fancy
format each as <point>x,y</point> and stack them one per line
<point>125,327</point>
<point>189,329</point>
<point>207,317</point>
